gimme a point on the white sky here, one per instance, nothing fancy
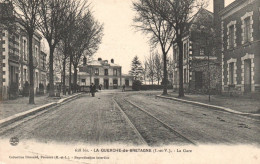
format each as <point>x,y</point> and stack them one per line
<point>120,40</point>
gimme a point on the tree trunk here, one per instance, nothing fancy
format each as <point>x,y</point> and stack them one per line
<point>70,75</point>
<point>180,44</point>
<point>75,79</point>
<point>64,76</point>
<point>31,69</point>
<point>165,76</point>
<point>51,82</point>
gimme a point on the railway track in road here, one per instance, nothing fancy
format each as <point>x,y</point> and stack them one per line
<point>150,129</point>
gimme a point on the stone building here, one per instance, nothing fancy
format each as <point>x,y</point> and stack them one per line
<point>15,58</point>
<point>240,24</point>
<point>103,72</point>
<point>201,68</point>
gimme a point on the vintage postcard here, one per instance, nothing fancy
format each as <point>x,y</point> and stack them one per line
<point>129,81</point>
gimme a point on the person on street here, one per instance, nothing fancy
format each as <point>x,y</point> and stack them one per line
<point>92,89</point>
<point>123,89</point>
<point>100,87</point>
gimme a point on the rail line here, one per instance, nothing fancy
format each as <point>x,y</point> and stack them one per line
<point>143,134</point>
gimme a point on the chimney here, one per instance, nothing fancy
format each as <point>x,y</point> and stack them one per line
<point>99,59</point>
<point>112,60</point>
<point>217,7</point>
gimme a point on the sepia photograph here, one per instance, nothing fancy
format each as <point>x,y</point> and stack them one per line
<point>129,81</point>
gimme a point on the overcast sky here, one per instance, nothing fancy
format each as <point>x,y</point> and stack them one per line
<point>121,41</point>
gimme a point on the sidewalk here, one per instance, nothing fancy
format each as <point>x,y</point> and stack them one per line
<point>12,107</point>
<point>240,104</point>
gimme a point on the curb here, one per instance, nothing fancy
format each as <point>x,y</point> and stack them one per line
<point>19,116</point>
<point>208,106</point>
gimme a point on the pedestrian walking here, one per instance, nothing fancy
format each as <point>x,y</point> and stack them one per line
<point>92,89</point>
<point>123,89</point>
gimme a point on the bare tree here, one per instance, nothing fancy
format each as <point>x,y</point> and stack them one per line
<point>86,40</point>
<point>150,64</point>
<point>27,13</point>
<point>158,67</point>
<point>161,32</point>
<point>177,14</point>
<point>55,16</point>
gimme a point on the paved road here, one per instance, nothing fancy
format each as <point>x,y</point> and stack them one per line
<point>95,120</point>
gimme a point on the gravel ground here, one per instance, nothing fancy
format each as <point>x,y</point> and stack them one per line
<point>154,133</point>
<point>88,120</point>
<point>201,125</point>
<point>21,104</point>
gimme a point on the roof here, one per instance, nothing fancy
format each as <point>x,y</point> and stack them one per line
<point>102,63</point>
<point>231,6</point>
<point>202,18</point>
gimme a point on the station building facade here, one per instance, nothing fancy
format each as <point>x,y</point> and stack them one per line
<point>103,72</point>
<point>201,68</point>
<point>240,25</point>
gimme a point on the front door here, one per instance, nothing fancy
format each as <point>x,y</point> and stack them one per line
<point>247,75</point>
<point>96,82</point>
<point>106,82</point>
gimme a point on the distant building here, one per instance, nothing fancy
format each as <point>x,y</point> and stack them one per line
<point>241,47</point>
<point>199,60</point>
<point>108,74</point>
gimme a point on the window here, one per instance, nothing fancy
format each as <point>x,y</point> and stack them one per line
<point>185,50</point>
<point>247,30</point>
<point>83,80</point>
<point>96,71</point>
<point>25,75</point>
<point>231,73</point>
<point>36,53</point>
<point>202,51</point>
<point>184,73</point>
<point>106,72</point>
<point>176,54</point>
<point>115,72</point>
<point>43,62</point>
<point>231,36</point>
<point>24,50</point>
<point>127,82</point>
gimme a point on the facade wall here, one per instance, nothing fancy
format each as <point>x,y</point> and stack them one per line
<point>15,59</point>
<point>242,51</point>
<point>112,80</point>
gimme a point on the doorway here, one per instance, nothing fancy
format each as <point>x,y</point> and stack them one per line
<point>247,75</point>
<point>106,82</point>
<point>198,80</point>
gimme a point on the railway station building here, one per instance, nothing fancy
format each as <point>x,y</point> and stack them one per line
<point>103,72</point>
